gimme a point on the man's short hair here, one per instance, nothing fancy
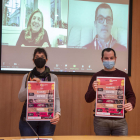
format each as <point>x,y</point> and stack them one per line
<point>105,6</point>
<point>40,50</point>
<point>108,50</point>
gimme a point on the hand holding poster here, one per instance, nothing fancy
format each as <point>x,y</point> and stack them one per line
<point>40,101</point>
<point>110,97</point>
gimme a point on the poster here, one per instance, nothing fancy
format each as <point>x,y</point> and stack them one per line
<point>40,101</point>
<point>110,97</point>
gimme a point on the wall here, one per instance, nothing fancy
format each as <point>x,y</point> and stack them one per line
<point>77,118</point>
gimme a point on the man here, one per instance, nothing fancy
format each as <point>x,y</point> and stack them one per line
<point>103,23</point>
<point>103,125</point>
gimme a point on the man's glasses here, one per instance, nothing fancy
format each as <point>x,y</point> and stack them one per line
<point>101,20</point>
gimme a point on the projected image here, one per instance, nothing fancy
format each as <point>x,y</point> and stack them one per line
<point>73,33</point>
<point>34,34</point>
<point>35,23</point>
<point>101,26</point>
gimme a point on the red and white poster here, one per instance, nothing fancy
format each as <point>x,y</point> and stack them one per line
<point>110,97</point>
<point>40,101</point>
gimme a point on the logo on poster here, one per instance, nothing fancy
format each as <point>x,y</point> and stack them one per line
<point>52,87</point>
<point>29,86</point>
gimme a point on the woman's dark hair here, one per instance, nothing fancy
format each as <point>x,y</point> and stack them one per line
<point>108,50</point>
<point>40,50</point>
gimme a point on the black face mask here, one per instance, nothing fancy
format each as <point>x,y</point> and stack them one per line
<point>40,62</point>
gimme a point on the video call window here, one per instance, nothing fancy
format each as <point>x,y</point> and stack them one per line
<point>53,16</point>
<point>107,21</point>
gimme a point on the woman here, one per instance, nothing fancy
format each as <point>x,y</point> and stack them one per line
<point>39,73</point>
<point>34,34</point>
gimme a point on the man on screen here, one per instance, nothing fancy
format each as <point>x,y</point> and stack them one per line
<point>103,23</point>
<point>108,125</point>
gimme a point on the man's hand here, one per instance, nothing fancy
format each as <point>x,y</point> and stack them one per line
<point>45,44</point>
<point>56,119</point>
<point>94,85</point>
<point>35,79</point>
<point>128,107</point>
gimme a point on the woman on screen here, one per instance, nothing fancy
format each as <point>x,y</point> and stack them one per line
<point>34,34</point>
<point>39,73</point>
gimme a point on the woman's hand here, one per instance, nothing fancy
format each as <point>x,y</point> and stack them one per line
<point>56,119</point>
<point>35,79</point>
<point>45,44</point>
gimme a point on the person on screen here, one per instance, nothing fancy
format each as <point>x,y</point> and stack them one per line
<point>34,34</point>
<point>39,73</point>
<point>103,24</point>
<point>106,125</point>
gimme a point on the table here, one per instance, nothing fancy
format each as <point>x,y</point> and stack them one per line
<point>79,137</point>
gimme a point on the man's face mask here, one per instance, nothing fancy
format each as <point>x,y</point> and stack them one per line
<point>40,62</point>
<point>109,64</point>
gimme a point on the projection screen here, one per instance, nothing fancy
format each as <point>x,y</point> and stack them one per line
<point>73,32</point>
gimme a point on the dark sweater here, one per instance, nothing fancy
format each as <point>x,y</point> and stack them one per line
<point>130,96</point>
<point>22,40</point>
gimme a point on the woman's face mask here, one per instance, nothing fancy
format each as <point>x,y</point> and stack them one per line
<point>40,62</point>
